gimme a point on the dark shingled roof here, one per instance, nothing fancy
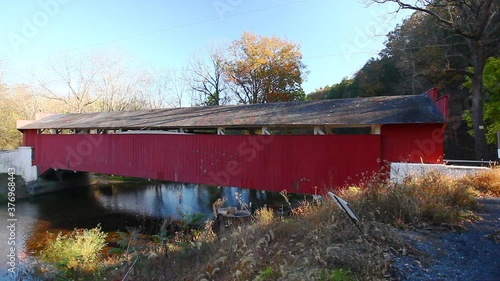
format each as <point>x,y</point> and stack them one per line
<point>358,111</point>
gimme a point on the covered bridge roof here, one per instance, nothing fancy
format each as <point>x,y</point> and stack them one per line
<point>357,111</point>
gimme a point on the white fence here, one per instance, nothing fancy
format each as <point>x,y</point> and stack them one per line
<point>20,161</point>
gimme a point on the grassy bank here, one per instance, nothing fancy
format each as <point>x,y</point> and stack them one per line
<point>316,242</point>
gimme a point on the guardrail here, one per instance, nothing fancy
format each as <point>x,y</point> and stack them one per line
<point>482,163</point>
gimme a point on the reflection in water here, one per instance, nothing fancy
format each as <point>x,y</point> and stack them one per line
<point>115,207</point>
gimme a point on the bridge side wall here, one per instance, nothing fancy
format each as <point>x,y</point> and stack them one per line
<point>274,163</point>
<point>413,143</point>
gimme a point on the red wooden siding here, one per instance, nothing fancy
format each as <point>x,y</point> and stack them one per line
<point>442,105</point>
<point>432,94</point>
<point>273,163</point>
<point>29,137</point>
<point>441,102</point>
<point>412,143</point>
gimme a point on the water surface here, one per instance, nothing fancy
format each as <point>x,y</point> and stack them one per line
<point>115,207</point>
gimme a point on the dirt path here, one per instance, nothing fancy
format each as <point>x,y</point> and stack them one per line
<point>473,254</point>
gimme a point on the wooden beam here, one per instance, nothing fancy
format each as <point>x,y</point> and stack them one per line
<point>265,131</point>
<point>318,131</point>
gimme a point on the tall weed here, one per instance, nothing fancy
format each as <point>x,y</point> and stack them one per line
<point>431,199</point>
<point>487,183</point>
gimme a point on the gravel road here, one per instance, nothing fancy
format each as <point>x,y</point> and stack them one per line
<point>472,254</point>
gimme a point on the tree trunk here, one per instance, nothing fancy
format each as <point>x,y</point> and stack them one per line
<point>480,146</point>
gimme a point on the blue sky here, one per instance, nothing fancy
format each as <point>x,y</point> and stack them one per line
<point>336,37</point>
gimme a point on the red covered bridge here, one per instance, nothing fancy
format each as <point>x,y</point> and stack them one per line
<point>296,146</point>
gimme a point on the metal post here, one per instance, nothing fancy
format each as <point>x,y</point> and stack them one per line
<point>498,142</point>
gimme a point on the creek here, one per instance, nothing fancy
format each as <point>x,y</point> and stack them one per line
<point>115,207</point>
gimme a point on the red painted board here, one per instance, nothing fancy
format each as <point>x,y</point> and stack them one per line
<point>295,163</point>
<point>413,143</point>
<point>432,94</point>
<point>442,105</point>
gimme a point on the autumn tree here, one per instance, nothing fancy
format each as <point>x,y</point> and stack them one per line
<point>478,22</point>
<point>17,102</point>
<point>206,78</point>
<point>7,121</point>
<point>265,69</point>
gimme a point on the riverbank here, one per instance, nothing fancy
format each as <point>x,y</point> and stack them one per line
<point>318,241</point>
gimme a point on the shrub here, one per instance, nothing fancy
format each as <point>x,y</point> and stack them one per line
<point>78,251</point>
<point>264,215</point>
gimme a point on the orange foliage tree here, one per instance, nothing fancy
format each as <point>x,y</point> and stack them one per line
<point>263,69</point>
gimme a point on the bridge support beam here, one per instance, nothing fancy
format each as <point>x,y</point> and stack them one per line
<point>265,131</point>
<point>318,131</point>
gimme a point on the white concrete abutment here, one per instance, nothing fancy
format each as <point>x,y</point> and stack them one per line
<point>19,161</point>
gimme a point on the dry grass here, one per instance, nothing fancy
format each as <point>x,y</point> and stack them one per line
<point>309,246</point>
<point>487,183</point>
<point>319,243</point>
<point>433,199</point>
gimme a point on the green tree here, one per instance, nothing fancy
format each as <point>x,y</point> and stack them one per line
<point>428,56</point>
<point>265,69</point>
<point>425,55</point>
<point>341,90</point>
<point>378,77</point>
<point>491,106</point>
<point>478,22</point>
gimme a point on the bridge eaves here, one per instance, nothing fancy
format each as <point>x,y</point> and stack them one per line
<point>337,112</point>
